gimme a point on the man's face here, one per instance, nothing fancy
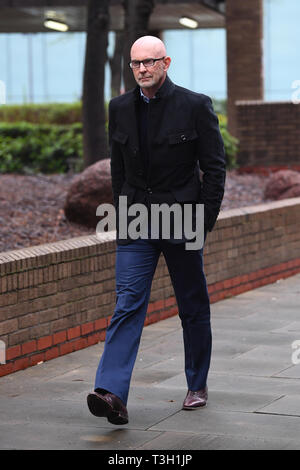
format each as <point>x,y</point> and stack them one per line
<point>148,77</point>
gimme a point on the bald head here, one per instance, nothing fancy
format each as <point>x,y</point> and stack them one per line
<point>150,78</point>
<point>148,44</point>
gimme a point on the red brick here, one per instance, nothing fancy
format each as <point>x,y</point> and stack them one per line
<point>13,352</point>
<point>73,332</point>
<point>244,278</point>
<point>20,364</point>
<point>59,337</point>
<point>214,298</point>
<point>80,343</point>
<point>29,347</point>
<point>100,324</point>
<point>252,276</point>
<point>274,278</point>
<point>151,307</point>
<point>51,353</point>
<point>6,368</point>
<point>241,288</point>
<point>248,286</point>
<point>173,311</point>
<point>102,335</point>
<point>45,342</point>
<point>163,314</point>
<point>210,288</point>
<point>168,313</point>
<point>228,283</point>
<point>66,348</point>
<point>220,296</point>
<point>159,304</point>
<point>93,339</point>
<point>153,318</point>
<point>36,358</point>
<point>218,286</point>
<point>170,301</point>
<point>87,328</point>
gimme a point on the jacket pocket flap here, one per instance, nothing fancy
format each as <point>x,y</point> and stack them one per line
<point>183,136</point>
<point>120,137</point>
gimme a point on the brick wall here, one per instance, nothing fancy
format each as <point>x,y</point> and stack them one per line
<point>269,134</point>
<point>59,297</point>
<point>244,38</point>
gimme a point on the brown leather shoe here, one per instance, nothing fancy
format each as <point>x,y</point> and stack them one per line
<point>194,400</point>
<point>108,405</point>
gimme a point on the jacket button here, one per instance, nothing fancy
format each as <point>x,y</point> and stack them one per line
<point>183,137</point>
<point>140,172</point>
<point>149,190</point>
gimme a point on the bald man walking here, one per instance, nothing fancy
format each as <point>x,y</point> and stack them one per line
<point>165,148</point>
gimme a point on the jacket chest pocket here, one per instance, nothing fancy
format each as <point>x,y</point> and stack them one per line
<point>131,155</point>
<point>121,141</point>
<point>120,137</point>
<point>182,145</point>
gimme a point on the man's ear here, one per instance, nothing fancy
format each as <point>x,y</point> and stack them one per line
<point>167,62</point>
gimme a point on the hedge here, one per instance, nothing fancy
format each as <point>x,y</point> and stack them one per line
<point>44,148</point>
<point>230,143</point>
<point>47,113</point>
<point>26,147</point>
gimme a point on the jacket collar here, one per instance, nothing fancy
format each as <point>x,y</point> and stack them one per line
<point>166,89</point>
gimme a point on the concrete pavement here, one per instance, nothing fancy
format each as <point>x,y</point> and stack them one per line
<point>254,400</point>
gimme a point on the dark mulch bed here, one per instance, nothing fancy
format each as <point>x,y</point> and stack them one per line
<point>31,207</point>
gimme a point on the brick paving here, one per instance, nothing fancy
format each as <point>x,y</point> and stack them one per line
<point>253,386</point>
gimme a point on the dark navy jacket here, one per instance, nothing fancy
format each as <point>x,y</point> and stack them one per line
<point>183,136</point>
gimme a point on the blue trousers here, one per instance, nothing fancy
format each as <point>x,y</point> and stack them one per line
<point>135,268</point>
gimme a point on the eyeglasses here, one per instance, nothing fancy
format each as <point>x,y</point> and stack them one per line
<point>135,64</point>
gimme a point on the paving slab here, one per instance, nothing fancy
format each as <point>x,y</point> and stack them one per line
<point>288,405</point>
<point>248,425</point>
<point>182,441</point>
<point>292,372</point>
<point>253,387</point>
<point>52,437</point>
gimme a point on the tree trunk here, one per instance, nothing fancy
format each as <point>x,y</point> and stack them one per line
<point>93,106</point>
<point>115,63</point>
<point>137,14</point>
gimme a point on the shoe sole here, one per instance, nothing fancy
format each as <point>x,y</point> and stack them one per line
<point>193,407</point>
<point>101,409</point>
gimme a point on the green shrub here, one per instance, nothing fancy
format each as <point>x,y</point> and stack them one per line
<point>220,106</point>
<point>230,143</point>
<point>52,148</point>
<point>48,113</point>
<point>45,148</point>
